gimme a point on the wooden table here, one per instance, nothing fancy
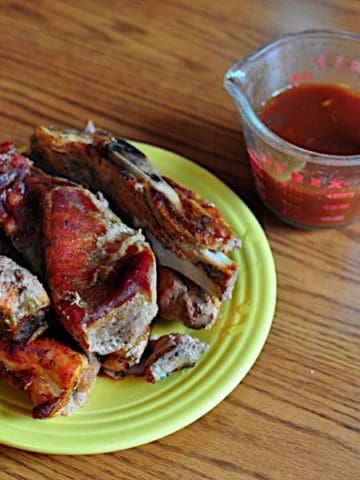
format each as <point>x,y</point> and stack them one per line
<point>152,71</point>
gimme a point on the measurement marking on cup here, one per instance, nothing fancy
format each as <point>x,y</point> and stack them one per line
<point>279,168</point>
<point>337,206</point>
<point>354,66</point>
<point>339,62</point>
<point>340,195</point>
<point>315,182</point>
<point>266,160</point>
<point>328,218</point>
<point>336,184</point>
<point>305,76</point>
<point>297,177</point>
<point>321,61</point>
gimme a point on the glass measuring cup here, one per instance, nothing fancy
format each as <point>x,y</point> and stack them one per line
<point>304,188</point>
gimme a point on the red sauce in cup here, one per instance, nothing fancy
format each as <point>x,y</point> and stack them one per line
<point>320,118</point>
<point>323,119</point>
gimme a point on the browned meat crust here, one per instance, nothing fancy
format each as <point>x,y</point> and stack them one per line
<point>101,273</point>
<point>187,233</point>
<point>163,356</point>
<point>118,364</point>
<point>23,302</point>
<point>57,378</point>
<point>171,353</point>
<point>181,299</point>
<point>183,215</point>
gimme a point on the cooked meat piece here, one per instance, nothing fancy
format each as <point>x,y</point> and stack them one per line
<point>171,353</point>
<point>57,378</point>
<point>183,300</point>
<point>163,356</point>
<point>120,363</point>
<point>23,302</point>
<point>101,273</point>
<point>187,233</point>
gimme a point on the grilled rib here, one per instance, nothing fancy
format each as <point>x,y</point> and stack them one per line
<point>118,364</point>
<point>187,233</point>
<point>101,273</point>
<point>183,300</point>
<point>57,378</point>
<point>171,353</point>
<point>163,356</point>
<point>23,302</point>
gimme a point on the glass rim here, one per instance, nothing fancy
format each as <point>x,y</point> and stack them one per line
<point>260,128</point>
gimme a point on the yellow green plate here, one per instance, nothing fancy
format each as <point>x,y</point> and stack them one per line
<point>131,412</point>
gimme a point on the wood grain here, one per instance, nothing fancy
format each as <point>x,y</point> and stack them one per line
<point>153,71</point>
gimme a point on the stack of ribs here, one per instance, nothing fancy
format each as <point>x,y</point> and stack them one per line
<point>188,235</point>
<point>99,272</point>
<point>93,276</point>
<point>57,377</point>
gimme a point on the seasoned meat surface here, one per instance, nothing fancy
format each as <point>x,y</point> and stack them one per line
<point>118,364</point>
<point>171,353</point>
<point>23,302</point>
<point>183,300</point>
<point>57,378</point>
<point>187,233</point>
<point>101,273</point>
<point>163,356</point>
<point>171,210</point>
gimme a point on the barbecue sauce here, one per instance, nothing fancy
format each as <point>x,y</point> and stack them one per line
<point>316,117</point>
<point>319,118</point>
